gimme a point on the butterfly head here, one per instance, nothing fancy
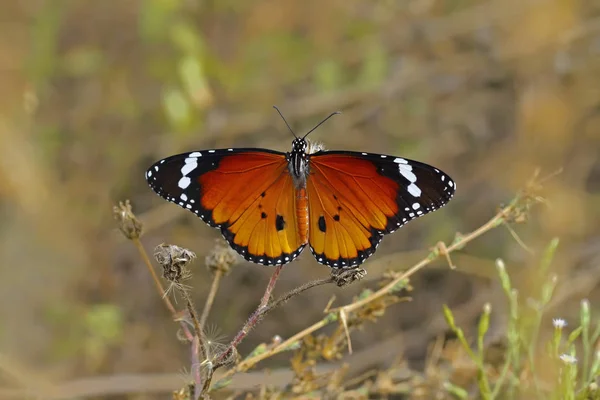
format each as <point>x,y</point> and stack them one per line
<point>299,145</point>
<point>298,162</point>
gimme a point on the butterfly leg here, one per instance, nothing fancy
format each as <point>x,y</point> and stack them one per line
<point>343,277</point>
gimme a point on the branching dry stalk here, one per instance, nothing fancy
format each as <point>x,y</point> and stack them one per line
<point>174,261</point>
<point>254,319</point>
<point>515,211</point>
<point>221,259</point>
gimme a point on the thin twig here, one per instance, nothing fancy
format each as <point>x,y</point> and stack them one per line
<point>211,297</point>
<point>294,292</point>
<point>159,287</point>
<point>195,370</point>
<point>250,362</point>
<point>270,286</point>
<point>251,322</point>
<point>194,317</point>
<point>346,330</point>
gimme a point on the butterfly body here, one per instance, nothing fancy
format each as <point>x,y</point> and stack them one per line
<point>269,205</point>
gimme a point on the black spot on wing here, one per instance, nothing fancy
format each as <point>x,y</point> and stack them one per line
<point>322,225</point>
<point>279,223</point>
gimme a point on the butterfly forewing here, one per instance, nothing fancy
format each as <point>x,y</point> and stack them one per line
<point>247,193</point>
<point>356,198</point>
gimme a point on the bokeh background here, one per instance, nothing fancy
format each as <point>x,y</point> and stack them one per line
<point>93,92</point>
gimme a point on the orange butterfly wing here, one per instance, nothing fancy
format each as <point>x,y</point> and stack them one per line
<point>356,198</point>
<point>248,194</point>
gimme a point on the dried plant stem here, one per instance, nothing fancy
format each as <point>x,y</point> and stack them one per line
<point>497,220</point>
<point>194,317</point>
<point>294,292</point>
<point>160,289</point>
<point>199,347</point>
<point>195,369</point>
<point>252,321</point>
<point>262,311</point>
<point>211,297</point>
<point>250,362</point>
<point>271,285</point>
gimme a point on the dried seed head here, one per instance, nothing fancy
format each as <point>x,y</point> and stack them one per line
<point>343,277</point>
<point>221,258</point>
<point>174,260</point>
<point>128,222</point>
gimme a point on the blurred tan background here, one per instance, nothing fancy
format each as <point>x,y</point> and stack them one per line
<point>93,92</point>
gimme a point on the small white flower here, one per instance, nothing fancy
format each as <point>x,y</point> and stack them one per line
<point>568,359</point>
<point>559,323</point>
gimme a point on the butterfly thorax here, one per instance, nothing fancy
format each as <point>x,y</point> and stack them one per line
<point>298,162</point>
<point>298,167</point>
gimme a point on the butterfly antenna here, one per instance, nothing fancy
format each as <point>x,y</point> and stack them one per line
<point>321,123</point>
<point>283,118</point>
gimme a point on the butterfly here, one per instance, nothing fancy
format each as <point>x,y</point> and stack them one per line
<point>269,205</point>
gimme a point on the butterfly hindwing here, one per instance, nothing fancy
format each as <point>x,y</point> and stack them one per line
<point>356,198</point>
<point>247,193</point>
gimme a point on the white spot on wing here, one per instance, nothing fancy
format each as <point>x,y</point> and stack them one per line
<point>195,154</point>
<point>406,171</point>
<point>188,167</point>
<point>212,151</point>
<point>414,190</point>
<point>184,182</point>
<point>416,206</point>
<point>183,197</point>
<point>400,161</point>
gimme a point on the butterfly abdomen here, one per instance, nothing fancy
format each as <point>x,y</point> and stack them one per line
<point>302,215</point>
